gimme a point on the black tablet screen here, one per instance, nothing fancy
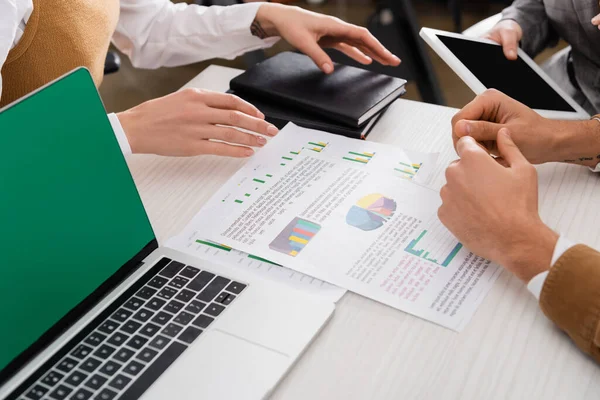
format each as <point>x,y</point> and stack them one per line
<point>515,78</point>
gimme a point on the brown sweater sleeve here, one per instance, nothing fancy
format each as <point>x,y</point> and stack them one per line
<point>571,297</point>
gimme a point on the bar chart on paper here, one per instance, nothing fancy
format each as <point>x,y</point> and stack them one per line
<point>408,170</point>
<point>435,244</point>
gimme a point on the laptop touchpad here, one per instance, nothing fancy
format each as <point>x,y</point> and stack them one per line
<point>223,366</point>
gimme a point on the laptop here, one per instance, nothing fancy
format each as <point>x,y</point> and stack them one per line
<point>90,306</point>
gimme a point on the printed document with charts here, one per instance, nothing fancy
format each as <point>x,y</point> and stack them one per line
<point>351,213</point>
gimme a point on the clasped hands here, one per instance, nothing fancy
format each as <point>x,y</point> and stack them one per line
<point>193,122</point>
<point>490,200</point>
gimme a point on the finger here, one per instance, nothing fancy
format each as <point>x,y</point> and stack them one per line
<point>353,53</point>
<point>479,130</point>
<point>364,40</point>
<point>596,20</point>
<point>222,149</point>
<point>509,151</point>
<point>486,107</point>
<point>502,162</point>
<point>226,101</point>
<point>239,119</point>
<point>467,148</point>
<point>316,53</point>
<point>234,136</point>
<point>510,43</point>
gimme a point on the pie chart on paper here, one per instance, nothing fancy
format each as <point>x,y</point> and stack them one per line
<point>371,212</point>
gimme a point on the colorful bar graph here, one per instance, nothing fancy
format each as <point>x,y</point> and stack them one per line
<point>269,176</point>
<point>247,195</point>
<point>295,237</point>
<point>287,158</point>
<point>258,180</point>
<point>215,245</point>
<point>362,158</point>
<point>239,201</point>
<point>411,249</point>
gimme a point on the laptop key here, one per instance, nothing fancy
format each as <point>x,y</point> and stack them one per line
<point>190,334</point>
<point>200,281</point>
<point>119,382</point>
<point>131,327</point>
<point>61,392</point>
<point>172,269</point>
<point>172,330</point>
<point>185,295</point>
<point>121,315</point>
<point>137,342</point>
<point>159,342</point>
<point>67,364</point>
<point>225,298</point>
<point>143,315</point>
<point>124,354</point>
<point>214,309</point>
<point>157,282</point>
<point>203,321</point>
<point>117,339</point>
<point>154,371</point>
<point>81,351</point>
<point>108,326</point>
<point>95,382</point>
<point>52,378</point>
<point>95,339</point>
<point>146,292</point>
<point>213,289</point>
<point>133,303</point>
<point>36,392</point>
<point>155,304</point>
<point>133,368</point>
<point>189,272</point>
<point>82,394</point>
<point>236,287</point>
<point>162,318</point>
<point>174,306</point>
<point>110,368</point>
<point>195,306</point>
<point>179,282</point>
<point>167,293</point>
<point>90,365</point>
<point>149,329</point>
<point>106,394</point>
<point>184,318</point>
<point>104,351</point>
<point>76,378</point>
<point>146,355</point>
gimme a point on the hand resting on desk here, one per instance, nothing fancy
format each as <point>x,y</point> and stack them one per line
<point>187,123</point>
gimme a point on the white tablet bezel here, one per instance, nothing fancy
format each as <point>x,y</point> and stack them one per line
<point>430,36</point>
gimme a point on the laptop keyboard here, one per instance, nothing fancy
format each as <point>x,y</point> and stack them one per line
<point>138,337</point>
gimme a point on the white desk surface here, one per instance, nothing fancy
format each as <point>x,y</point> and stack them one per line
<point>370,351</point>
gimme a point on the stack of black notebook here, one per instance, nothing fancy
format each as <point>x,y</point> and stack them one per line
<point>290,88</point>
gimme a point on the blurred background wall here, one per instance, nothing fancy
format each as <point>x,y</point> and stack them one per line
<point>129,86</point>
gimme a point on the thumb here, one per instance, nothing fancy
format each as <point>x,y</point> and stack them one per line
<point>314,51</point>
<point>508,149</point>
<point>510,43</point>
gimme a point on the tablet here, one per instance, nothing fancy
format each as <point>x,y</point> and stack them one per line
<point>481,64</point>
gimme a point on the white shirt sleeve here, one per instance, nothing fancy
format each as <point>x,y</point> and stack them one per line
<point>536,284</point>
<point>13,16</point>
<point>120,134</point>
<point>159,33</point>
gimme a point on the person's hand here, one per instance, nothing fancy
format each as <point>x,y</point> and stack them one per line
<point>596,21</point>
<point>508,33</point>
<point>493,210</point>
<point>193,122</point>
<point>539,139</point>
<point>310,32</point>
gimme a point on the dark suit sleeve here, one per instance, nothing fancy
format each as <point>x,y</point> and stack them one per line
<point>571,297</point>
<point>538,33</point>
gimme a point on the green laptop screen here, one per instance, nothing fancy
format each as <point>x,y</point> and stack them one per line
<point>70,215</point>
